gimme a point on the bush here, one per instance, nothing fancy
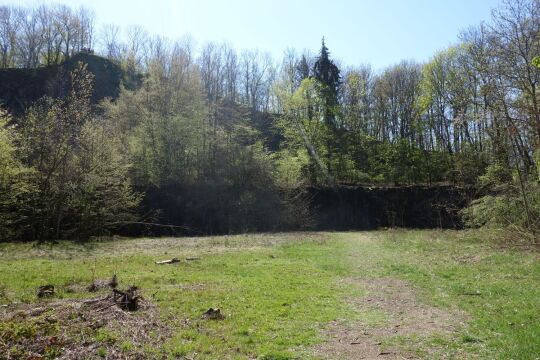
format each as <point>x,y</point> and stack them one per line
<point>509,205</point>
<point>80,172</point>
<point>15,185</point>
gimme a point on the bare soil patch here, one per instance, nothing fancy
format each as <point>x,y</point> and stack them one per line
<point>406,316</point>
<point>79,329</point>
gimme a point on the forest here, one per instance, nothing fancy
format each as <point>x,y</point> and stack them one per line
<point>241,136</point>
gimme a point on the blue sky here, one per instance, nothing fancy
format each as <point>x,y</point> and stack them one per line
<point>379,32</point>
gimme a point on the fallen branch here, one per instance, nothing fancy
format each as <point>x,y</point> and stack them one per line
<point>170,261</point>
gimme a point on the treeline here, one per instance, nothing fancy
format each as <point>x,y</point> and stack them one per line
<point>73,170</point>
<point>263,129</point>
<point>31,37</point>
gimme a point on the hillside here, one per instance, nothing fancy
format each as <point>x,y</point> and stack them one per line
<point>19,88</point>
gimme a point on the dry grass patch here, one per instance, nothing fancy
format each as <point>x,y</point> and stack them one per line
<point>79,329</point>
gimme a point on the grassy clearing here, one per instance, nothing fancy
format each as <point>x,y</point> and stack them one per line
<point>274,290</point>
<point>279,291</point>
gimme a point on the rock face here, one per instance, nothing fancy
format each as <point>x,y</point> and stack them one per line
<point>205,209</point>
<point>19,88</point>
<point>362,208</point>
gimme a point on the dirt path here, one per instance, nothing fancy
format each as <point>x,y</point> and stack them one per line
<point>406,315</point>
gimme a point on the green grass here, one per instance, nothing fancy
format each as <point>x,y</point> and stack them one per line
<point>279,291</point>
<point>450,266</point>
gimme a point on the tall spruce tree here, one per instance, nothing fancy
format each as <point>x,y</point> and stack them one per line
<point>328,78</point>
<point>328,74</point>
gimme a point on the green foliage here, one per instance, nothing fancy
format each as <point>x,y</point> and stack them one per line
<point>101,196</point>
<point>290,167</point>
<point>496,175</point>
<point>15,185</point>
<point>178,140</point>
<point>509,204</point>
<point>303,127</point>
<point>467,166</point>
<point>253,201</point>
<point>81,174</point>
<point>506,209</point>
<point>398,163</point>
<point>536,61</point>
<point>164,124</point>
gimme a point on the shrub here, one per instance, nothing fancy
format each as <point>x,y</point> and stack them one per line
<point>509,204</point>
<point>15,185</point>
